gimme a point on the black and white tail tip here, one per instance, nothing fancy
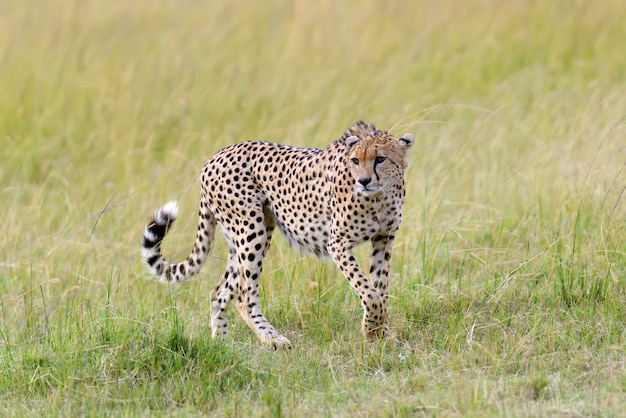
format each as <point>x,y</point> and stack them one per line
<point>155,231</point>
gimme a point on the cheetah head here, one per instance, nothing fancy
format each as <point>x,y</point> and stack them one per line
<point>377,162</point>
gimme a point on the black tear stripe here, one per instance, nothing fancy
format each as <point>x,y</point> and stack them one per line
<point>376,172</point>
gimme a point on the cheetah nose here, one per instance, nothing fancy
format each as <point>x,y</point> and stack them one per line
<point>364,182</point>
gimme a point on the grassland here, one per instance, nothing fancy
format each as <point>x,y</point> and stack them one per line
<point>508,277</point>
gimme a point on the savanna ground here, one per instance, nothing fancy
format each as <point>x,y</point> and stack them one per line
<point>508,274</point>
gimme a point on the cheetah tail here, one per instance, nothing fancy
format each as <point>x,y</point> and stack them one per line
<point>155,232</point>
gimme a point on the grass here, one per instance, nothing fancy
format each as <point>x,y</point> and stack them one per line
<point>508,275</point>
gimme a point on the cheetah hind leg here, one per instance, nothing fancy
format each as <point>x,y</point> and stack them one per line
<point>223,293</point>
<point>248,305</point>
<point>250,310</point>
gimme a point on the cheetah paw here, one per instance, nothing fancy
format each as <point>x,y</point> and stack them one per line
<point>277,342</point>
<point>373,331</point>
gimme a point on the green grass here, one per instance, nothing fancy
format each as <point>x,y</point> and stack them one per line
<point>508,275</point>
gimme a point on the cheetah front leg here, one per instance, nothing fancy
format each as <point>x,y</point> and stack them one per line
<point>379,270</point>
<point>374,312</point>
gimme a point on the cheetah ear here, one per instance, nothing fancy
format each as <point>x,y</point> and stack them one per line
<point>351,141</point>
<point>406,139</point>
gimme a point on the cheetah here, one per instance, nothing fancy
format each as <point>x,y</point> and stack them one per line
<point>325,201</point>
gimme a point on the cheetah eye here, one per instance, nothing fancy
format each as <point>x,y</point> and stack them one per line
<point>380,159</point>
<point>355,161</point>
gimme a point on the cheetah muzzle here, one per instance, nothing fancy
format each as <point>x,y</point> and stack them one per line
<point>325,201</point>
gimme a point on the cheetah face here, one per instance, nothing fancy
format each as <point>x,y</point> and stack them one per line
<point>377,163</point>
